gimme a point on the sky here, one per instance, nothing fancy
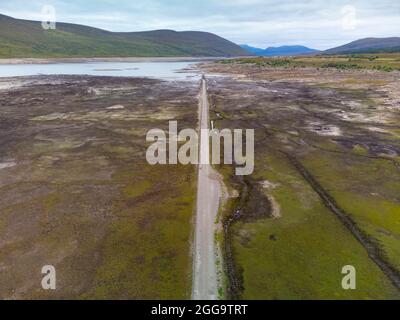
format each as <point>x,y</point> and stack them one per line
<point>319,24</point>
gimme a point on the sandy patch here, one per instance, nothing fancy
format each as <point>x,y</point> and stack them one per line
<point>114,114</point>
<point>116,107</point>
<point>358,117</point>
<point>111,59</point>
<point>8,164</point>
<point>376,129</point>
<point>8,85</point>
<point>269,185</point>
<point>275,207</point>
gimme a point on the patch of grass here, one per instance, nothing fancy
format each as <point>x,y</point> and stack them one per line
<point>146,252</point>
<point>112,225</point>
<point>383,68</point>
<point>341,66</point>
<point>137,189</point>
<point>301,255</point>
<point>379,62</point>
<point>368,190</point>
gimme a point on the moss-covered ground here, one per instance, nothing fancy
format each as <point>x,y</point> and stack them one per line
<point>81,195</point>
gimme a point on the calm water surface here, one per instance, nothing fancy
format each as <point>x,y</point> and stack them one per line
<point>160,70</point>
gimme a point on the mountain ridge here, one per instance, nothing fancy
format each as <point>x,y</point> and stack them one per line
<point>368,45</point>
<point>280,51</point>
<point>27,39</point>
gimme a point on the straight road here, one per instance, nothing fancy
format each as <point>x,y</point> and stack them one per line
<point>205,279</point>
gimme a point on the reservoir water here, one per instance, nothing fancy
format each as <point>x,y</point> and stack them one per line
<point>159,70</point>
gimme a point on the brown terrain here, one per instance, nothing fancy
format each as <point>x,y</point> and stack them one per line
<point>326,186</point>
<point>76,191</point>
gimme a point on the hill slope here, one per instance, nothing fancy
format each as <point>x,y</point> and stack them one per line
<point>368,45</point>
<point>25,39</point>
<point>279,51</point>
<point>252,50</point>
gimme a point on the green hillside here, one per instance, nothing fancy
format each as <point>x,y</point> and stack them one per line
<point>368,45</point>
<point>27,39</point>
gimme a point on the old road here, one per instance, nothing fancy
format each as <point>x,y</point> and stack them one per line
<point>205,277</point>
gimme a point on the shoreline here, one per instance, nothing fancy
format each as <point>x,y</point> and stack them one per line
<point>17,61</point>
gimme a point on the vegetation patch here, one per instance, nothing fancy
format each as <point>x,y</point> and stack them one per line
<point>380,62</point>
<point>113,226</point>
<point>300,255</point>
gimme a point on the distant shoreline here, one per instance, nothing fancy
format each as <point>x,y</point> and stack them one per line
<point>111,59</point>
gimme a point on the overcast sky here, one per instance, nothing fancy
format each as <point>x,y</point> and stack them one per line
<point>320,24</point>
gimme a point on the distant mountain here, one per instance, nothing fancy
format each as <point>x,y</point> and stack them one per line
<point>279,51</point>
<point>27,39</point>
<point>252,50</point>
<point>368,45</point>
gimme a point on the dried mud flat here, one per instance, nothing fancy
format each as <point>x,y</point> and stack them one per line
<point>328,142</point>
<point>76,191</point>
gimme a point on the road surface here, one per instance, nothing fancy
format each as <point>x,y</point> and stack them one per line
<point>205,280</point>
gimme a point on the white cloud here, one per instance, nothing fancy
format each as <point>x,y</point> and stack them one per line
<point>315,23</point>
